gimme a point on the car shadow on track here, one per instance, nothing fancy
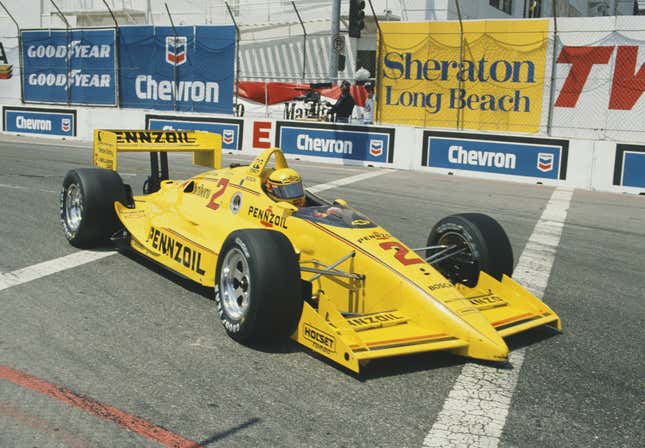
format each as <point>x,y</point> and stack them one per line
<point>531,337</point>
<point>170,275</point>
<point>217,437</point>
<point>375,369</point>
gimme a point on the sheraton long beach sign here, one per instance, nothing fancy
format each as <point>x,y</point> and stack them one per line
<point>496,83</point>
<point>406,67</point>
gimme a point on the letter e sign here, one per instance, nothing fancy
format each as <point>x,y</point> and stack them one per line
<point>262,134</point>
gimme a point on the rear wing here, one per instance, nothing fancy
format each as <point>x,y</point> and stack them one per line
<point>205,146</point>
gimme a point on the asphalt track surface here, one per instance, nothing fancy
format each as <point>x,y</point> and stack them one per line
<point>124,334</point>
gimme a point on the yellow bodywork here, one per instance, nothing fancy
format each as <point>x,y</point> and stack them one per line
<point>387,302</point>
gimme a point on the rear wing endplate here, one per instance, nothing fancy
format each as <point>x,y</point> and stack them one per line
<point>205,146</point>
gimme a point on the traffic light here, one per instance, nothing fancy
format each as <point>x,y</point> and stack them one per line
<point>356,17</point>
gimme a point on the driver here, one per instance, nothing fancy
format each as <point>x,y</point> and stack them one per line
<point>285,184</point>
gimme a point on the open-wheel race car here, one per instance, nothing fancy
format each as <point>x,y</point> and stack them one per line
<point>285,262</point>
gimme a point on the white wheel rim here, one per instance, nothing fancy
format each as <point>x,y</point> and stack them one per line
<point>73,207</point>
<point>235,284</point>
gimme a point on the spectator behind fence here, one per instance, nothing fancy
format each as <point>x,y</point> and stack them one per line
<point>344,105</point>
<point>368,109</point>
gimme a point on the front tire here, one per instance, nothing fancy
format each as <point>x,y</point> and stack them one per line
<point>258,291</point>
<point>485,246</point>
<point>87,205</point>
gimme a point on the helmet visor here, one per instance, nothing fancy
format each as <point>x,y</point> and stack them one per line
<point>290,191</point>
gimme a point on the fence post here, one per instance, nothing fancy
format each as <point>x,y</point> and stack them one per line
<point>335,36</point>
<point>554,66</point>
<point>461,63</point>
<point>22,98</point>
<point>68,59</point>
<point>237,54</point>
<point>304,42</point>
<point>174,67</point>
<point>377,73</point>
<point>266,99</point>
<point>117,66</point>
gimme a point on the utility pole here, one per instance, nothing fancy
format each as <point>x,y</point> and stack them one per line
<point>336,40</point>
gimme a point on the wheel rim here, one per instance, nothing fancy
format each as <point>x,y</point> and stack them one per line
<point>456,263</point>
<point>74,207</point>
<point>235,284</point>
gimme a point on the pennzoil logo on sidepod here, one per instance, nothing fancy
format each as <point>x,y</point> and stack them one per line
<point>321,340</point>
<point>164,137</point>
<point>179,252</point>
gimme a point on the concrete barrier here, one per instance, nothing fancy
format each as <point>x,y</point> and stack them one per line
<point>586,164</point>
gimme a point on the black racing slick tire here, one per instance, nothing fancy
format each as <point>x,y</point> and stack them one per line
<point>485,245</point>
<point>87,205</point>
<point>258,290</point>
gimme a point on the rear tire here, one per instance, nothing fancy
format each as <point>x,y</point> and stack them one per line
<point>486,245</point>
<point>87,205</point>
<point>258,289</point>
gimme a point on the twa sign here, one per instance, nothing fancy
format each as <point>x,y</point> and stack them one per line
<point>627,77</point>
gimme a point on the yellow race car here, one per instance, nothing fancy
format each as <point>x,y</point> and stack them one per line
<point>285,262</point>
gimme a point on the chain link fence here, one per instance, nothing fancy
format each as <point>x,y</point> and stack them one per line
<point>578,77</point>
<point>575,77</point>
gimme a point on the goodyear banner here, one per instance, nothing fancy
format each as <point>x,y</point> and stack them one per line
<point>190,71</point>
<point>71,67</point>
<point>489,78</point>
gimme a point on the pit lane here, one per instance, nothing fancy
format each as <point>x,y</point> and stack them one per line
<point>138,338</point>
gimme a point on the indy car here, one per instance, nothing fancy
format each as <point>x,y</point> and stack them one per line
<point>284,262</point>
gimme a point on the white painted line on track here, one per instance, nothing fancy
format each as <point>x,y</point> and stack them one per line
<point>19,187</point>
<point>347,180</point>
<point>27,140</point>
<point>475,412</point>
<point>36,271</point>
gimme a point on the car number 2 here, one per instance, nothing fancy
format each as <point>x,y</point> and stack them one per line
<point>401,253</point>
<point>222,184</point>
